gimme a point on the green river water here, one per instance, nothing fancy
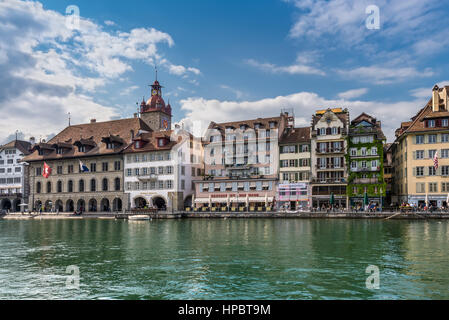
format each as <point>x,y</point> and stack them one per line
<point>224,259</point>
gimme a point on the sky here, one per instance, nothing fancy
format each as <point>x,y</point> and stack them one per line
<point>217,60</point>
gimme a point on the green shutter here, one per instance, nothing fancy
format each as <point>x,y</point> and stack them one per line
<point>296,163</point>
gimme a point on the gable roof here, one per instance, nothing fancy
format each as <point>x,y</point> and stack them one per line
<point>95,135</point>
<point>295,135</point>
<point>22,146</point>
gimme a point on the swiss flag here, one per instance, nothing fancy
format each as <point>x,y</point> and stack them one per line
<point>47,170</point>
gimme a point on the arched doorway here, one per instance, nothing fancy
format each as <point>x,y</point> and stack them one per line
<point>48,206</point>
<point>140,203</point>
<point>81,205</point>
<point>59,207</point>
<point>159,203</point>
<point>188,202</point>
<point>117,204</point>
<point>105,207</point>
<point>6,204</point>
<point>16,205</point>
<point>92,205</point>
<point>70,206</point>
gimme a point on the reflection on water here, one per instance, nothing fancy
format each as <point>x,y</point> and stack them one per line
<point>224,259</point>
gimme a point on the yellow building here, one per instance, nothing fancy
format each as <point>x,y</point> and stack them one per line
<point>295,167</point>
<point>417,142</point>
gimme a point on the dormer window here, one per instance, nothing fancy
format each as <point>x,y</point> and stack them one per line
<point>138,144</point>
<point>445,122</point>
<point>110,145</point>
<point>59,150</point>
<point>82,149</point>
<point>161,142</point>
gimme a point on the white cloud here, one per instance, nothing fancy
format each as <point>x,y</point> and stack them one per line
<point>297,68</point>
<point>109,23</point>
<point>384,75</point>
<point>128,90</point>
<point>238,93</point>
<point>48,69</point>
<point>351,94</point>
<point>427,92</point>
<point>304,104</point>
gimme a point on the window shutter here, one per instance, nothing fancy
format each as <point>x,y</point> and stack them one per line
<point>296,148</point>
<point>328,131</point>
<point>339,130</point>
<point>317,132</point>
<point>414,155</point>
<point>297,176</point>
<point>414,171</point>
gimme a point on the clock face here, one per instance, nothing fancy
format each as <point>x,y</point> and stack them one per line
<point>154,92</point>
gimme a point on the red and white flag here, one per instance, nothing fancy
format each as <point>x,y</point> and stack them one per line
<point>435,161</point>
<point>47,171</point>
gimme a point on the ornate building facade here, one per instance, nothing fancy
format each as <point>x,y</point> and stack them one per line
<point>366,161</point>
<point>329,146</point>
<point>416,178</point>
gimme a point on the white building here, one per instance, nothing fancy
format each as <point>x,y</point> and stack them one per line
<point>159,168</point>
<point>14,188</point>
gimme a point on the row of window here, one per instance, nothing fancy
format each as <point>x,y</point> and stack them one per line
<point>153,185</point>
<point>430,154</point>
<point>365,164</point>
<point>328,131</point>
<point>81,186</point>
<point>431,138</point>
<point>363,152</point>
<point>10,180</point>
<point>8,161</point>
<point>295,148</point>
<point>93,168</point>
<point>235,186</point>
<point>362,139</point>
<point>363,190</point>
<point>295,163</point>
<point>9,170</point>
<point>430,171</point>
<point>153,170</point>
<point>11,191</point>
<point>432,187</point>
<point>436,123</point>
<point>295,176</point>
<point>161,156</point>
<point>253,171</point>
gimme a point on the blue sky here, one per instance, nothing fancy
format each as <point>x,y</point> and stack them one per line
<point>218,60</point>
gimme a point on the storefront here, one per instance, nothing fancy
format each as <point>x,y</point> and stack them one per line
<point>294,196</point>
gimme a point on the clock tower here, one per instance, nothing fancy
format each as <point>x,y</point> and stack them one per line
<point>154,112</point>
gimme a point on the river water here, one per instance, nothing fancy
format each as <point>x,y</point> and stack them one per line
<point>223,259</point>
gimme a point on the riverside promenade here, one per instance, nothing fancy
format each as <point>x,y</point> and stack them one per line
<point>235,215</point>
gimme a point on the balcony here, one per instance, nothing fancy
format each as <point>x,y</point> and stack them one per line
<point>330,150</point>
<point>328,181</point>
<point>372,169</point>
<point>148,177</point>
<point>330,167</point>
<point>365,181</point>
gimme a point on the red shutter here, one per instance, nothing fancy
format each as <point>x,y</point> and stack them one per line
<point>438,123</point>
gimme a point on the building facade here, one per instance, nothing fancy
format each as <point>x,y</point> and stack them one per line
<point>159,168</point>
<point>294,189</point>
<point>14,187</point>
<point>417,142</point>
<point>98,145</point>
<point>329,145</point>
<point>241,164</point>
<point>365,158</point>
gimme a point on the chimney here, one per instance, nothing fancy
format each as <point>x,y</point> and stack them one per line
<point>93,120</point>
<point>445,98</point>
<point>435,99</point>
<point>32,140</point>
